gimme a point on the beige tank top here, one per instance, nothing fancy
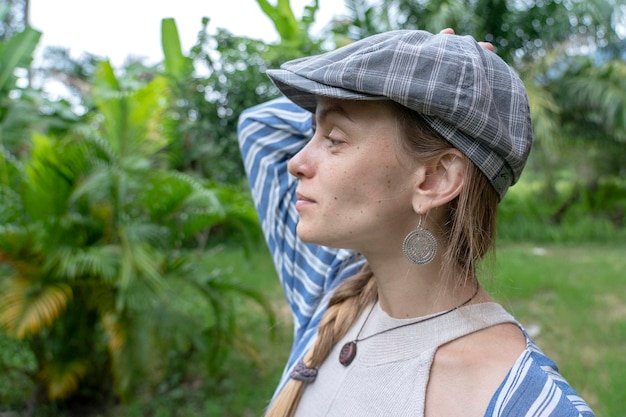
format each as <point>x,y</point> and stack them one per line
<point>389,374</point>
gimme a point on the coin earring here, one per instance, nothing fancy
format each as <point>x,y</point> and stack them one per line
<point>420,246</point>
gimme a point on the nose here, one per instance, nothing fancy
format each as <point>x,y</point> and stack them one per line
<point>300,165</point>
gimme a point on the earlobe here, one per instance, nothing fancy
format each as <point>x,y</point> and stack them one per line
<point>441,182</point>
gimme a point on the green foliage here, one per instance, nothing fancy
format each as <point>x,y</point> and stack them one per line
<point>597,94</point>
<point>17,365</point>
<point>229,76</point>
<point>204,142</point>
<point>519,30</point>
<point>293,33</point>
<point>13,15</point>
<point>177,64</point>
<point>16,52</point>
<point>284,20</point>
<point>190,387</point>
<point>25,109</point>
<point>98,233</point>
<point>574,214</point>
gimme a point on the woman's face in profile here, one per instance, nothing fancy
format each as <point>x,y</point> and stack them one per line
<point>353,191</point>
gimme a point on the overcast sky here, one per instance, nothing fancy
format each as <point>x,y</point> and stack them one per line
<point>118,28</point>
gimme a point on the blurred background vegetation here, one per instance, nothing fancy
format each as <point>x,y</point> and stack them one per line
<point>133,278</point>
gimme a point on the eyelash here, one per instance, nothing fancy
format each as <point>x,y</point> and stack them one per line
<point>333,142</point>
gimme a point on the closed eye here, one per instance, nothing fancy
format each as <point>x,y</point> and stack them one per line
<point>333,142</point>
<point>334,138</point>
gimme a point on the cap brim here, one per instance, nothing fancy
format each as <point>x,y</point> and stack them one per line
<point>304,92</point>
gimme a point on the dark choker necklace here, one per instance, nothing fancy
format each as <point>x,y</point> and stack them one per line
<point>348,351</point>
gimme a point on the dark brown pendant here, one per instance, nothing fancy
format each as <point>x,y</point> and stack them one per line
<point>347,354</point>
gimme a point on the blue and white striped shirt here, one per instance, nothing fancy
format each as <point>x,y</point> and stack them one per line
<point>269,135</point>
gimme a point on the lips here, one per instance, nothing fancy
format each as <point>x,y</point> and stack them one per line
<point>302,197</point>
<point>303,201</point>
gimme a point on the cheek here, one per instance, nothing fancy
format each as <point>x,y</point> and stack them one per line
<point>385,182</point>
<point>373,178</point>
<point>371,189</point>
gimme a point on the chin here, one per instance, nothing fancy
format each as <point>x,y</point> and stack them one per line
<point>318,239</point>
<point>310,236</point>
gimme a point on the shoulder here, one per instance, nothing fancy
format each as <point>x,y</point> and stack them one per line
<point>501,370</point>
<point>467,372</point>
<point>534,387</point>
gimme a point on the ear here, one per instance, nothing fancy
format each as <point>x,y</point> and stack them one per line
<point>441,181</point>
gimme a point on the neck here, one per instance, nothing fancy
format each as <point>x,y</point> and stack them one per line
<point>406,290</point>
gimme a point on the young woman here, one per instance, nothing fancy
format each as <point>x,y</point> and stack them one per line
<point>376,212</point>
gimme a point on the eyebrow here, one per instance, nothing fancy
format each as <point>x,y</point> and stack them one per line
<point>322,113</point>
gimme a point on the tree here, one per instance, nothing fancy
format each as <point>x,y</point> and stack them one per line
<point>97,232</point>
<point>24,108</point>
<point>13,17</point>
<point>233,79</point>
<point>519,30</point>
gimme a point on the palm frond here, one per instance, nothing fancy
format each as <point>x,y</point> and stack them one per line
<point>131,121</point>
<point>131,349</point>
<point>598,94</point>
<point>71,263</point>
<point>147,108</point>
<point>95,187</point>
<point>164,192</point>
<point>12,171</point>
<point>140,278</point>
<point>445,14</point>
<point>229,286</point>
<point>62,378</point>
<point>115,334</point>
<point>26,308</point>
<point>44,172</point>
<point>545,113</point>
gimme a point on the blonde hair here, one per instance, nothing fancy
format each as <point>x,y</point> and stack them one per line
<point>469,228</point>
<point>469,232</point>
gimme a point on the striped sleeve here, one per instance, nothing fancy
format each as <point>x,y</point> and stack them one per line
<point>535,388</point>
<point>269,135</point>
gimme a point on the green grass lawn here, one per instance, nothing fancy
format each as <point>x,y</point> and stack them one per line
<point>576,298</point>
<point>572,297</point>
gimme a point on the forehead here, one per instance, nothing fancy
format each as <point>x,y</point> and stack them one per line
<point>350,108</point>
<point>327,107</point>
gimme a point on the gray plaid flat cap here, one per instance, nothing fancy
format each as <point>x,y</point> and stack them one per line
<point>465,92</point>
